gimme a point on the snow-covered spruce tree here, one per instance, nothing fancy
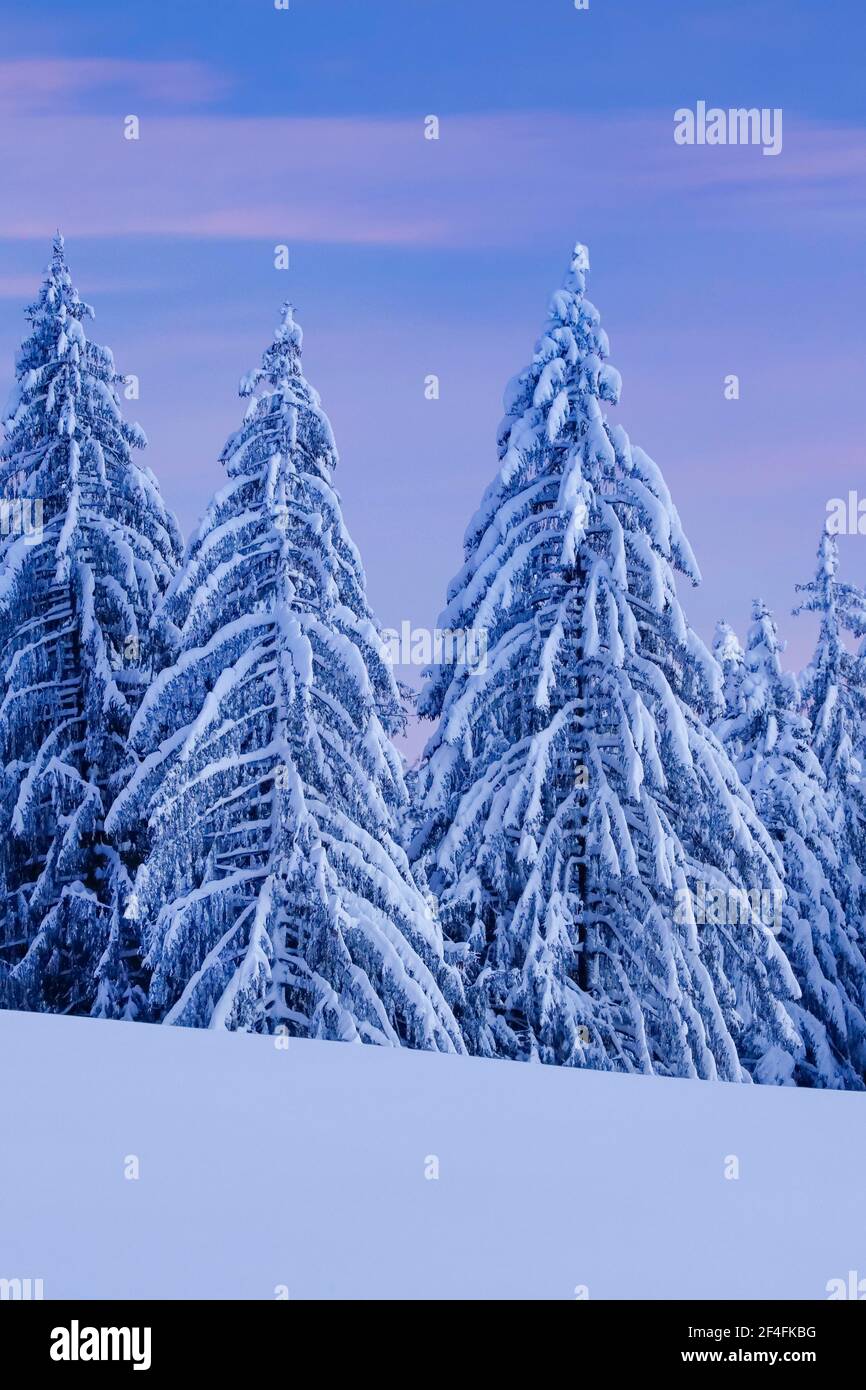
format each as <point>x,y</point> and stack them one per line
<point>575,812</point>
<point>729,655</point>
<point>834,690</point>
<point>769,739</point>
<point>275,894</point>
<point>87,550</point>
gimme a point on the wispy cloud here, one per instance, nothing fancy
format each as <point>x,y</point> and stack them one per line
<point>25,288</point>
<point>371,181</point>
<point>62,86</point>
<point>18,286</point>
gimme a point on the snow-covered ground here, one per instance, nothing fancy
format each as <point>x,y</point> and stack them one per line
<point>311,1168</point>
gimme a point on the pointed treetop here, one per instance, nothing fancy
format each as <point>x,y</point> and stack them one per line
<point>843,606</point>
<point>764,647</point>
<point>763,622</point>
<point>731,660</point>
<point>288,328</point>
<point>834,680</point>
<point>569,310</point>
<point>58,298</point>
<point>569,368</point>
<point>284,415</point>
<point>726,646</point>
<point>574,279</point>
<point>828,554</point>
<point>819,589</point>
<point>281,361</point>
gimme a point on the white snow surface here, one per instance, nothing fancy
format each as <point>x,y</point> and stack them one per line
<point>305,1167</point>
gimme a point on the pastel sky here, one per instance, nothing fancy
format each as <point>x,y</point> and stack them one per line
<point>408,256</point>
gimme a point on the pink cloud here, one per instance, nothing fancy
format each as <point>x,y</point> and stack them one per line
<point>43,85</point>
<point>18,286</point>
<point>25,288</point>
<point>370,181</point>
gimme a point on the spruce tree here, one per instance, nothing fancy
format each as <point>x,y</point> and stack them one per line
<point>274,893</point>
<point>770,739</point>
<point>576,813</point>
<point>729,655</point>
<point>834,692</point>
<point>78,587</point>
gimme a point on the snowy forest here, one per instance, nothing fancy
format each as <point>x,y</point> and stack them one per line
<point>620,849</point>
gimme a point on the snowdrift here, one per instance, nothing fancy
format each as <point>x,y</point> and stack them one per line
<point>310,1171</point>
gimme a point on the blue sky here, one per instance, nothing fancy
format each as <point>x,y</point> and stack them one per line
<point>411,257</point>
<point>390,56</point>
